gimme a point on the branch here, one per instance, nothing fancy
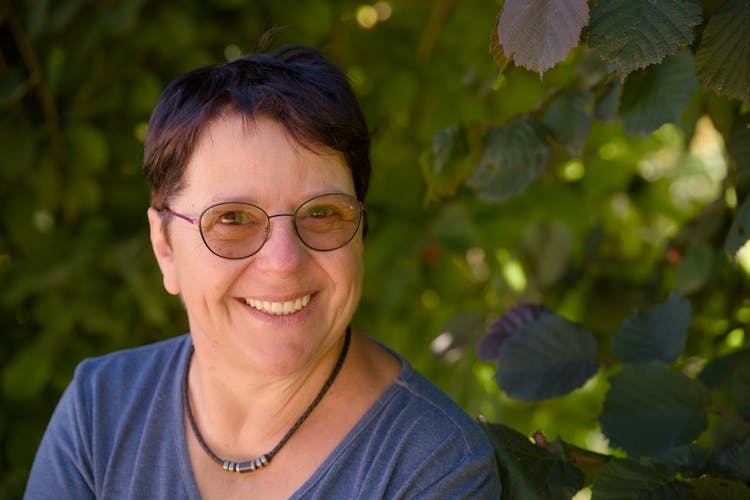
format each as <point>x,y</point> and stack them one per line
<point>732,417</point>
<point>433,29</point>
<point>36,81</point>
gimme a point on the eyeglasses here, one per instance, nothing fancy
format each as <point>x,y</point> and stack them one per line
<point>236,230</point>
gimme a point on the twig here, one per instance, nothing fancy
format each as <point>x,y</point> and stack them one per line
<point>36,81</point>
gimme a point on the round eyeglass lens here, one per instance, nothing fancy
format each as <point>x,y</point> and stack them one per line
<point>234,230</point>
<point>328,222</point>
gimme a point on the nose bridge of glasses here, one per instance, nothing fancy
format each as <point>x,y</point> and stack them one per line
<point>294,223</point>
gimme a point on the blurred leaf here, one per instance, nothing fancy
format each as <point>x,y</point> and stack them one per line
<point>739,144</point>
<point>621,478</point>
<point>441,169</point>
<point>689,460</point>
<point>549,246</point>
<point>650,409</point>
<point>658,334</point>
<point>713,488</point>
<point>514,156</point>
<point>569,118</point>
<point>528,471</point>
<point>718,371</point>
<point>695,268</point>
<point>658,94</point>
<point>607,103</point>
<point>739,232</point>
<point>25,375</point>
<point>459,332</point>
<point>636,33</point>
<point>726,38</point>
<point>737,460</point>
<point>740,388</point>
<point>87,148</point>
<point>510,323</point>
<point>13,86</point>
<point>539,34</point>
<point>548,357</point>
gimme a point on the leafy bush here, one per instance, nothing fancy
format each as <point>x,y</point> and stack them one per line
<point>613,180</point>
<point>640,65</point>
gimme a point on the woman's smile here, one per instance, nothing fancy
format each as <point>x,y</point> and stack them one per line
<point>279,308</point>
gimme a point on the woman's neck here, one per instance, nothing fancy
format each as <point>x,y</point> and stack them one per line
<point>241,414</point>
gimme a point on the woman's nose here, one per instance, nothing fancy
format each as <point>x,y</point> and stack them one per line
<point>283,251</point>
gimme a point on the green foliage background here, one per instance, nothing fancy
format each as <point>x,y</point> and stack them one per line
<point>613,224</point>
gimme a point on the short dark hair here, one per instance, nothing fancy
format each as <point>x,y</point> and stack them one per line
<point>294,85</point>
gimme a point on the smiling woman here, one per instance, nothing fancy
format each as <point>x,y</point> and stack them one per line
<point>259,170</point>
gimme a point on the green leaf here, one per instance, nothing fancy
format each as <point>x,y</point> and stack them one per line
<point>718,371</point>
<point>549,247</point>
<point>608,101</point>
<point>739,232</point>
<point>441,167</point>
<point>737,460</point>
<point>569,119</point>
<point>514,156</point>
<point>723,58</point>
<point>26,373</point>
<point>714,488</point>
<point>650,409</point>
<point>539,34</point>
<point>739,145</point>
<point>636,33</point>
<point>658,334</point>
<point>695,268</point>
<point>621,478</point>
<point>548,357</point>
<point>739,387</point>
<point>658,94</point>
<point>88,148</point>
<point>528,471</point>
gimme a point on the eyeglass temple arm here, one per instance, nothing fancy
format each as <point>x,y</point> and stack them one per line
<point>183,217</point>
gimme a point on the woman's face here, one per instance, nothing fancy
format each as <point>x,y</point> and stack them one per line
<point>257,162</point>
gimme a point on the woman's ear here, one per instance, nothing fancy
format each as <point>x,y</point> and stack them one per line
<point>163,251</point>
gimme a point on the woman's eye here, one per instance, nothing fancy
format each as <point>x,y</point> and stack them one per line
<point>234,218</point>
<point>320,212</point>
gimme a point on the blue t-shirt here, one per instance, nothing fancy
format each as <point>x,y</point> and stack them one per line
<point>118,432</point>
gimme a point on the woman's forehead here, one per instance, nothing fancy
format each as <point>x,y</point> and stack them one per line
<point>235,156</point>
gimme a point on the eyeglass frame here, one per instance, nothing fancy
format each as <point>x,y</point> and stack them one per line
<point>293,215</point>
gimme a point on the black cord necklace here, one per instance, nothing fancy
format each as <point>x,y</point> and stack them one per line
<point>264,459</point>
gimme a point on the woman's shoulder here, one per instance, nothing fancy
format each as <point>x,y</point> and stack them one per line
<point>131,368</point>
<point>413,407</point>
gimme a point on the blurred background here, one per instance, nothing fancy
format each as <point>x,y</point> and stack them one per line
<point>611,228</point>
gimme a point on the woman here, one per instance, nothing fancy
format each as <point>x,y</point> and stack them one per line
<point>259,170</point>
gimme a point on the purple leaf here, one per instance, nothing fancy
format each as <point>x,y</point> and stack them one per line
<point>509,324</point>
<point>540,33</point>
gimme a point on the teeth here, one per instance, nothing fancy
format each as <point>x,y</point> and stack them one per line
<point>279,308</point>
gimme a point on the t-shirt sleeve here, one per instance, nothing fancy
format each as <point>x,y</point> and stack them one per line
<point>62,467</point>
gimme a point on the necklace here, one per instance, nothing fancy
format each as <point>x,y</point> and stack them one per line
<point>264,459</point>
